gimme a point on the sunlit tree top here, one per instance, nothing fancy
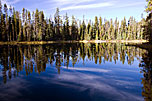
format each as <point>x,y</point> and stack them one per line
<point>149,6</point>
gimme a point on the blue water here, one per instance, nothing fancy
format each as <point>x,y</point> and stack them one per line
<point>85,81</point>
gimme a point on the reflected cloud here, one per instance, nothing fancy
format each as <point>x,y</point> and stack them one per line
<point>87,69</point>
<point>13,89</point>
<point>96,84</point>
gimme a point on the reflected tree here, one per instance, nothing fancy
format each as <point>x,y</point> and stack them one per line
<point>34,58</point>
<point>146,65</point>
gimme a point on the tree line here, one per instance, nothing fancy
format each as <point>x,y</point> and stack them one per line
<point>27,26</point>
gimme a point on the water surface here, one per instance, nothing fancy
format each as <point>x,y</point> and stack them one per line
<point>74,72</point>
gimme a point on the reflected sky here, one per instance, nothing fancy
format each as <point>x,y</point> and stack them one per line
<point>48,73</point>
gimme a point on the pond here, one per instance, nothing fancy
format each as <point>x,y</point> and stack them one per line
<point>75,72</point>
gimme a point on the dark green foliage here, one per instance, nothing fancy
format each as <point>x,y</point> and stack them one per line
<point>148,28</point>
<point>74,29</point>
<point>147,25</point>
<point>66,32</point>
<point>3,26</point>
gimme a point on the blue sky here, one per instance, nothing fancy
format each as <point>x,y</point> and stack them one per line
<point>90,8</point>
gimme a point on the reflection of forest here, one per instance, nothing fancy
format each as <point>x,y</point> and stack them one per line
<point>146,65</point>
<point>34,58</point>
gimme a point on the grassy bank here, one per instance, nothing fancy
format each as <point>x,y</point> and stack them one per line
<point>83,41</point>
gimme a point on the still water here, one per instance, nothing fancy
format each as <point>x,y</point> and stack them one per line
<point>75,72</point>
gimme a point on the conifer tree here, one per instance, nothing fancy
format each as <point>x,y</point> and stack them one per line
<point>83,27</point>
<point>74,32</point>
<point>6,22</point>
<point>0,7</point>
<point>107,25</point>
<point>124,34</point>
<point>20,30</point>
<point>111,30</point>
<point>116,27</point>
<point>96,28</point>
<point>29,27</point>
<point>88,31</point>
<point>36,24</point>
<point>149,6</point>
<point>100,28</point>
<point>3,26</point>
<point>0,21</point>
<point>41,29</point>
<point>67,32</point>
<point>57,24</point>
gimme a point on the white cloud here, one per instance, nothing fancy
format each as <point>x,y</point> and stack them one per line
<point>130,4</point>
<point>64,2</point>
<point>97,5</point>
<point>10,2</point>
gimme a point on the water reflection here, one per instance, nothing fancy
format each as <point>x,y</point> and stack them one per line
<point>38,58</point>
<point>146,65</point>
<point>34,58</point>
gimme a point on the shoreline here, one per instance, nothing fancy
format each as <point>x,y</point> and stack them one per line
<point>81,41</point>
